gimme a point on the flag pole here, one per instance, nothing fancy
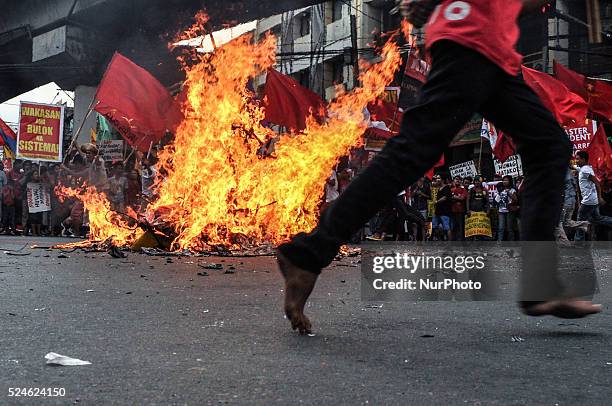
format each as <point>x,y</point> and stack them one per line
<point>76,134</point>
<point>480,158</point>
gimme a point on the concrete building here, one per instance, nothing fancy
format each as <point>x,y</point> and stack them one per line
<point>317,45</point>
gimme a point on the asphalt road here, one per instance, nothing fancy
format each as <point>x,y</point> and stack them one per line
<point>157,333</point>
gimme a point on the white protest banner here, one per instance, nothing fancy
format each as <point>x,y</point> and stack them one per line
<point>512,166</point>
<point>464,169</point>
<point>39,197</point>
<point>111,150</point>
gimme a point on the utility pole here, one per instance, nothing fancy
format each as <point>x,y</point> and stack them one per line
<point>355,50</point>
<point>594,21</point>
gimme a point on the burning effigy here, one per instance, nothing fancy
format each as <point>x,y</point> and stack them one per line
<point>217,191</point>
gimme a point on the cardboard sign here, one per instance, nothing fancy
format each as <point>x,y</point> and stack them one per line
<point>464,169</point>
<point>41,132</point>
<point>431,204</point>
<point>111,150</point>
<point>39,197</point>
<point>581,135</point>
<point>478,224</point>
<point>512,166</point>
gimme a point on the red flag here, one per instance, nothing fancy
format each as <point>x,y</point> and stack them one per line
<point>8,137</point>
<point>504,147</point>
<point>430,173</point>
<point>567,107</point>
<point>600,98</point>
<point>600,155</point>
<point>136,104</point>
<point>574,81</point>
<point>287,103</point>
<point>597,93</point>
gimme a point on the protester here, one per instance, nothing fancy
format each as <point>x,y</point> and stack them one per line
<point>8,206</point>
<point>421,195</point>
<point>117,190</point>
<point>507,201</point>
<point>443,209</point>
<point>34,220</point>
<point>569,206</point>
<point>458,209</point>
<point>590,192</point>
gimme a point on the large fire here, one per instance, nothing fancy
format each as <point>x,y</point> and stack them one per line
<point>218,190</point>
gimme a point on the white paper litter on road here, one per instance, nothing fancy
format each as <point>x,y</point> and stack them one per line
<point>58,359</point>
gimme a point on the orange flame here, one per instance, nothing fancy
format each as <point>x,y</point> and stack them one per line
<point>218,190</point>
<point>104,224</point>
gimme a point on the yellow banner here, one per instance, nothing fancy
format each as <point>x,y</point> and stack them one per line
<point>478,224</point>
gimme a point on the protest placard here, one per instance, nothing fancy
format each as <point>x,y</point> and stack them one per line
<point>39,197</point>
<point>41,132</point>
<point>581,135</point>
<point>111,150</point>
<point>478,224</point>
<point>464,169</point>
<point>512,166</point>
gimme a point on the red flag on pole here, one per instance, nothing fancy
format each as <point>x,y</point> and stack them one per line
<point>574,81</point>
<point>504,147</point>
<point>287,103</point>
<point>597,93</point>
<point>567,107</point>
<point>600,98</point>
<point>136,104</point>
<point>600,155</point>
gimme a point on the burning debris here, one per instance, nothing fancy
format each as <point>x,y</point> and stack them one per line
<point>218,194</point>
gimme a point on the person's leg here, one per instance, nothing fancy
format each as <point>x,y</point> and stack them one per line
<point>510,225</point>
<point>458,84</point>
<point>585,213</point>
<point>598,219</point>
<point>545,151</point>
<point>501,226</point>
<point>446,227</point>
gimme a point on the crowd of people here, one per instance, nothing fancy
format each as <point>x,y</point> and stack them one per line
<point>434,210</point>
<point>125,184</point>
<point>437,209</point>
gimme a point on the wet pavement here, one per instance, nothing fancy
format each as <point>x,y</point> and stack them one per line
<point>170,330</point>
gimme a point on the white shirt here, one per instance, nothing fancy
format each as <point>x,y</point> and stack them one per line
<point>587,186</point>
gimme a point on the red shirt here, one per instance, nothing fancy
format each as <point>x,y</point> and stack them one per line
<point>459,206</point>
<point>487,26</point>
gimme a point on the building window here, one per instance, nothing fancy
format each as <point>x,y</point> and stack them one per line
<point>337,9</point>
<point>304,24</point>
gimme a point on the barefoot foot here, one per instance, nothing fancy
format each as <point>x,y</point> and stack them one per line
<point>565,309</point>
<point>298,287</point>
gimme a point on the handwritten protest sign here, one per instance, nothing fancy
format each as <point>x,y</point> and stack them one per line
<point>478,224</point>
<point>512,166</point>
<point>464,169</point>
<point>111,150</point>
<point>39,197</point>
<point>41,132</point>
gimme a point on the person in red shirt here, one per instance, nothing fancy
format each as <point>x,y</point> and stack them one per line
<point>458,209</point>
<point>475,69</point>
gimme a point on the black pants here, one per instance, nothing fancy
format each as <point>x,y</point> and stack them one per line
<point>461,83</point>
<point>398,208</point>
